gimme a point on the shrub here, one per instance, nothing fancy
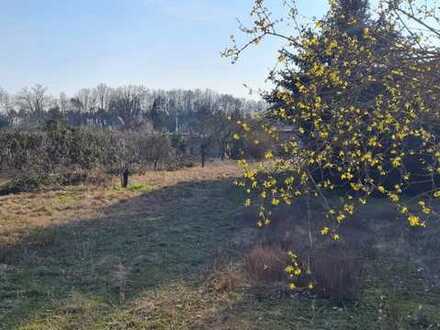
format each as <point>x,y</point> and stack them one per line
<point>66,155</point>
<point>266,263</point>
<point>334,272</point>
<point>337,274</point>
<point>23,183</point>
<point>77,176</point>
<point>362,123</point>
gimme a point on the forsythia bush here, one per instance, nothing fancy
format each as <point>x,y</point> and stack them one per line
<point>360,97</point>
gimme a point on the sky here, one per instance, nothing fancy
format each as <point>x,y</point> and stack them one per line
<point>67,45</point>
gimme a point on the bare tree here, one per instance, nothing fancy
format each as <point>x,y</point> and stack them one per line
<point>33,100</point>
<point>102,95</point>
<point>86,99</point>
<point>125,104</point>
<point>4,100</point>
<point>63,103</point>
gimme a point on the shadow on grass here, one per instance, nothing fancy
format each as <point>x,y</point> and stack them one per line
<point>134,246</point>
<point>114,271</point>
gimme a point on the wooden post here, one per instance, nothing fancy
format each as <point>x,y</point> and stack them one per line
<point>124,178</point>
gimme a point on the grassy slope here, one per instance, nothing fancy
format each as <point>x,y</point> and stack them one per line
<point>163,255</point>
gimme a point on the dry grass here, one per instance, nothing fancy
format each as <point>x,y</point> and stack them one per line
<point>176,306</point>
<point>337,274</point>
<point>148,258</point>
<point>215,171</point>
<point>110,244</point>
<point>266,263</point>
<point>26,211</point>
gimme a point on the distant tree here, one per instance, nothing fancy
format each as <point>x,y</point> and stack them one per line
<point>128,150</point>
<point>102,96</point>
<point>179,144</point>
<point>4,101</point>
<point>157,114</point>
<point>5,109</point>
<point>34,100</point>
<point>204,129</point>
<point>86,99</point>
<point>156,148</point>
<point>125,106</point>
<point>63,102</point>
<point>4,120</point>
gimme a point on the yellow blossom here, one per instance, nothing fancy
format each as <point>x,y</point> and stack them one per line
<point>415,221</point>
<point>325,231</point>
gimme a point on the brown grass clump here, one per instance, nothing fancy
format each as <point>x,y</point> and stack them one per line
<point>334,268</point>
<point>224,278</point>
<point>119,279</point>
<point>337,273</point>
<point>266,263</point>
<point>98,177</point>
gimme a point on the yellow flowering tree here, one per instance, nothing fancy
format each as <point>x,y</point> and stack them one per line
<point>359,96</point>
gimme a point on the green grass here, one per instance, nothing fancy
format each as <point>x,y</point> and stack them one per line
<point>150,263</point>
<point>139,187</point>
<point>67,198</point>
<point>170,241</point>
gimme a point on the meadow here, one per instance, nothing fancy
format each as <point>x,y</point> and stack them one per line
<point>175,250</point>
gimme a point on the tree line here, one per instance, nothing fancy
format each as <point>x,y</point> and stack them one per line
<point>119,129</point>
<point>121,107</point>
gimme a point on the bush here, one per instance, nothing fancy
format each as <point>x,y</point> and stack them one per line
<point>337,274</point>
<point>23,183</point>
<point>266,263</point>
<point>33,181</point>
<point>65,155</point>
<point>77,176</point>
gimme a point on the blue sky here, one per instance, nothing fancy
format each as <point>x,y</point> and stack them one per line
<point>70,44</point>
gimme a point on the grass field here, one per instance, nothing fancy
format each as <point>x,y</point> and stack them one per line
<point>167,254</point>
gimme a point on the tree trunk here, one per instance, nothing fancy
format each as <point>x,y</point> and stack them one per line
<point>203,154</point>
<point>223,152</point>
<point>124,178</point>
